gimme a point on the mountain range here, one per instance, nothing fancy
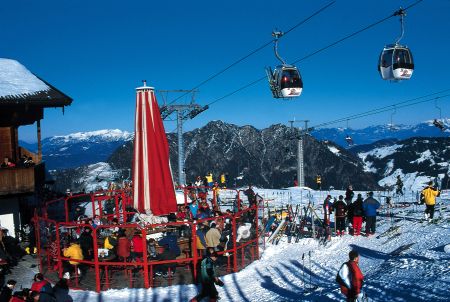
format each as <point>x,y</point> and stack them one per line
<point>267,157</point>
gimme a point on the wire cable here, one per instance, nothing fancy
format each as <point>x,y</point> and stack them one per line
<point>254,51</point>
<point>318,51</point>
<point>403,104</point>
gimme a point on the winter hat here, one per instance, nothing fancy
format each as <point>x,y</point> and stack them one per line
<point>370,193</point>
<point>341,197</point>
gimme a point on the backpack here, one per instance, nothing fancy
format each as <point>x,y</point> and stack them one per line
<point>338,277</point>
<point>422,198</point>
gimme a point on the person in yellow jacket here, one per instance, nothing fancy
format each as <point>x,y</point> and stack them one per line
<point>319,182</point>
<point>429,196</point>
<point>73,252</point>
<point>209,179</point>
<point>112,241</point>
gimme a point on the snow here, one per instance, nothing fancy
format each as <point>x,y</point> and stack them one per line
<point>98,176</point>
<point>411,181</point>
<point>411,264</point>
<point>381,152</point>
<point>106,134</point>
<point>334,150</point>
<point>16,80</point>
<point>426,155</point>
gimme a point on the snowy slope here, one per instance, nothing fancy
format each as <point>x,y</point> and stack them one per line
<point>408,265</point>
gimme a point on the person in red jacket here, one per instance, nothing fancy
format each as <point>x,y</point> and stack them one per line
<point>350,278</point>
<point>137,246</point>
<point>39,282</point>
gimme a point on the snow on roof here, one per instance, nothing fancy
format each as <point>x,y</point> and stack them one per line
<point>16,80</point>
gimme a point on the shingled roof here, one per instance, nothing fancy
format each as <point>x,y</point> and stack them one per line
<point>19,86</point>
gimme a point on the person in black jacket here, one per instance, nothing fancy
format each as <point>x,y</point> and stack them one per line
<point>7,291</point>
<point>61,291</point>
<point>340,208</point>
<point>87,243</point>
<point>357,213</point>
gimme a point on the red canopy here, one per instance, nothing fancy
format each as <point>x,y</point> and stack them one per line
<point>152,178</point>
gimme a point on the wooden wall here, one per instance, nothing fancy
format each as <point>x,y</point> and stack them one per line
<point>7,142</point>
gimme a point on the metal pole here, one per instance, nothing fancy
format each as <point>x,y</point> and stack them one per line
<point>300,168</point>
<point>181,176</point>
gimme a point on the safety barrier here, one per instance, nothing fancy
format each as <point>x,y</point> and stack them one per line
<point>57,224</point>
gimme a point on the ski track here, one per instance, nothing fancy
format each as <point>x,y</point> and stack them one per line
<point>408,264</point>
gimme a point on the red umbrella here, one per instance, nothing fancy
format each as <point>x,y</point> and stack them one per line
<point>152,178</point>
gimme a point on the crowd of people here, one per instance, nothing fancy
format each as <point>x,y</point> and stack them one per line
<point>24,161</point>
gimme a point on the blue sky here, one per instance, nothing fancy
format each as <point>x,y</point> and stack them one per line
<point>99,51</point>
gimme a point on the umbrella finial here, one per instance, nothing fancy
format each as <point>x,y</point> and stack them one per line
<point>144,82</point>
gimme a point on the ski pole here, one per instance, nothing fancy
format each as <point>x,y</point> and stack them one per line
<point>303,261</point>
<point>310,271</point>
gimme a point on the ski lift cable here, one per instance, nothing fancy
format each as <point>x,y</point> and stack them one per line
<point>318,51</point>
<point>385,109</point>
<point>377,110</point>
<point>255,51</point>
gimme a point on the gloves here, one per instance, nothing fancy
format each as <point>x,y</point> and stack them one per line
<point>219,282</point>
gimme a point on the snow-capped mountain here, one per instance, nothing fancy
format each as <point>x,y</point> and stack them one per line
<point>372,134</point>
<point>265,157</point>
<point>82,148</point>
<point>415,160</point>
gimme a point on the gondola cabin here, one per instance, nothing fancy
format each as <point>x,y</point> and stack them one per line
<point>396,63</point>
<point>286,82</point>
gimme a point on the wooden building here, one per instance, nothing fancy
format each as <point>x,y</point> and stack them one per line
<point>23,97</point>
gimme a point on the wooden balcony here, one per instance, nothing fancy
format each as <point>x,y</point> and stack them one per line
<point>21,179</point>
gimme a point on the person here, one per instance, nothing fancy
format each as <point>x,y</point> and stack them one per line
<point>429,195</point>
<point>208,278</point>
<point>7,290</point>
<point>194,209</point>
<point>171,241</point>
<point>370,206</point>
<point>7,163</point>
<point>213,237</point>
<point>350,278</point>
<point>216,191</point>
<point>61,291</point>
<point>39,282</point>
<point>112,241</point>
<point>399,184</point>
<point>223,180</point>
<point>319,182</point>
<point>201,239</point>
<point>251,196</point>
<point>87,244</point>
<point>327,209</point>
<point>74,253</point>
<point>340,208</point>
<point>137,246</point>
<point>349,194</point>
<point>357,213</point>
<point>209,179</point>
<point>20,296</point>
<point>163,269</point>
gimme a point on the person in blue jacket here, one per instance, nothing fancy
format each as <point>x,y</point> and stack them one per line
<point>370,206</point>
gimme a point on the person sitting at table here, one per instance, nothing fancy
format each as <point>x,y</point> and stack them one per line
<point>137,246</point>
<point>181,213</point>
<point>73,252</point>
<point>163,269</point>
<point>151,248</point>
<point>213,237</point>
<point>172,241</point>
<point>111,241</point>
<point>205,208</point>
<point>123,248</point>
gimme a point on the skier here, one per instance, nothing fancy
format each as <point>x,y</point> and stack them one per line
<point>327,210</point>
<point>358,213</point>
<point>319,182</point>
<point>430,193</point>
<point>208,278</point>
<point>399,185</point>
<point>340,208</point>
<point>370,206</point>
<point>349,194</point>
<point>350,278</point>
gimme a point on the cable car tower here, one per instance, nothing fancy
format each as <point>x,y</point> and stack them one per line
<point>396,62</point>
<point>285,81</point>
<point>183,112</point>
<point>300,157</point>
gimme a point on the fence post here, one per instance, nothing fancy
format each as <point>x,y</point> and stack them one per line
<point>145,256</point>
<point>235,245</point>
<point>98,287</point>
<point>66,208</point>
<point>257,229</point>
<point>194,248</point>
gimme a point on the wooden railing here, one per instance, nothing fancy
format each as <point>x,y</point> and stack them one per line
<point>21,179</point>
